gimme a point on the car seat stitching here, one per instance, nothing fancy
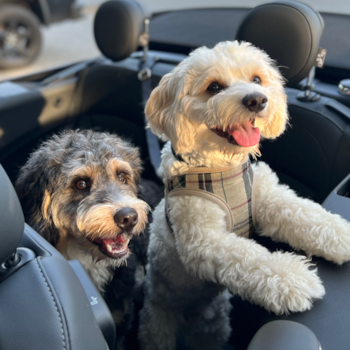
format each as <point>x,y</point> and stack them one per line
<point>59,316</point>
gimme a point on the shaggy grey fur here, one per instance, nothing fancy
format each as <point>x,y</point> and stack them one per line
<point>57,209</point>
<point>48,170</point>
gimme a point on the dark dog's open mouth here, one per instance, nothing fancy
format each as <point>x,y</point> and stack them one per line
<point>244,135</point>
<point>115,248</point>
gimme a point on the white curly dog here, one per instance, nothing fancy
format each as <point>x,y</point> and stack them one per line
<point>213,108</point>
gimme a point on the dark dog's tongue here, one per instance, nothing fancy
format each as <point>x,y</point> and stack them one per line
<point>113,247</point>
<point>246,135</point>
<point>115,241</point>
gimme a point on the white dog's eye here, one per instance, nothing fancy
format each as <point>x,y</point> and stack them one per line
<point>122,178</point>
<point>256,80</point>
<point>215,87</point>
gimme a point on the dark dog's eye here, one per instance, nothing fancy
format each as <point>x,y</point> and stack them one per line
<point>81,185</point>
<point>215,87</point>
<point>256,80</point>
<point>122,178</point>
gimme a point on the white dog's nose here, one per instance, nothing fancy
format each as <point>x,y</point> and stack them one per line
<point>255,102</point>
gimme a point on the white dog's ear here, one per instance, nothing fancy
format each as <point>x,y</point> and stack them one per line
<point>159,104</point>
<point>277,125</point>
<point>280,118</point>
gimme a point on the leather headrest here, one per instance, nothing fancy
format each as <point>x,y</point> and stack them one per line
<point>117,28</point>
<point>11,218</point>
<point>287,31</point>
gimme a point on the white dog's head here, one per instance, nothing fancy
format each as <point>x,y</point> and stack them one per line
<point>218,102</point>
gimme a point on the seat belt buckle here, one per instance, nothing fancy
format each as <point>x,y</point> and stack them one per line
<point>144,74</point>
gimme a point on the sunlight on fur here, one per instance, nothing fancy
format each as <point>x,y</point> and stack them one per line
<point>213,109</point>
<point>182,110</point>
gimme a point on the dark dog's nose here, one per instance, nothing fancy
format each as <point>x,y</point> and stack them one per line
<point>126,218</point>
<point>255,102</point>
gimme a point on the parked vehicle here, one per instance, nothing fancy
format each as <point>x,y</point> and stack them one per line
<point>20,21</point>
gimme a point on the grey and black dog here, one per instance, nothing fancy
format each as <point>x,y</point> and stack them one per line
<point>79,190</point>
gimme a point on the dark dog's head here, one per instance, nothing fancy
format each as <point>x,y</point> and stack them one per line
<point>83,185</point>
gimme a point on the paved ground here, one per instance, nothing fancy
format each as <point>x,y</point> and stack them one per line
<point>73,41</point>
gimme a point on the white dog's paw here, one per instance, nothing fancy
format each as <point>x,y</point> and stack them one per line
<point>333,241</point>
<point>290,284</point>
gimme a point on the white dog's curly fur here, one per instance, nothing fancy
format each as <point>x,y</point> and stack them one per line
<point>192,265</point>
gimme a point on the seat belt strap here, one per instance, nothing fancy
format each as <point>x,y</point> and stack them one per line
<point>144,76</point>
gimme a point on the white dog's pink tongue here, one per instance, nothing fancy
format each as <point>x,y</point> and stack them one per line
<point>246,135</point>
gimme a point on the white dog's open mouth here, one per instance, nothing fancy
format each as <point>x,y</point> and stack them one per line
<point>244,135</point>
<point>115,248</point>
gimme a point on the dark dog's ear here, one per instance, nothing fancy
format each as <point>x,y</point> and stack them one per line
<point>34,191</point>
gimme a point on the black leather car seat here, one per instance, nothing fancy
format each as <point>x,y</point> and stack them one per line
<point>43,304</point>
<point>312,157</point>
<point>111,90</point>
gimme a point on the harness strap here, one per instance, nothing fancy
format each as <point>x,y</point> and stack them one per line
<point>200,194</point>
<point>230,189</point>
<point>177,156</point>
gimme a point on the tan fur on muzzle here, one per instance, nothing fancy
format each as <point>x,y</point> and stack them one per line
<point>98,220</point>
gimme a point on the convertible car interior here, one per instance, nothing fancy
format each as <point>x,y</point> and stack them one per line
<point>49,303</point>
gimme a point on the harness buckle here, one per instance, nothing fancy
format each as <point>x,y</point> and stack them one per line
<point>144,74</point>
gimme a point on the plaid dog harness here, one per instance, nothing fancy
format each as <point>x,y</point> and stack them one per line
<point>228,187</point>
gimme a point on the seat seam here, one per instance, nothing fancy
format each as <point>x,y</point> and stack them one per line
<point>53,299</point>
<point>33,239</point>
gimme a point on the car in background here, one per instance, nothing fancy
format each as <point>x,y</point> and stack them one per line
<point>20,21</point>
